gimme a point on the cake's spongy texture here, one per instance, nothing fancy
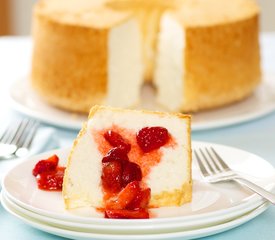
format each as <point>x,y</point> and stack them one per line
<point>169,177</point>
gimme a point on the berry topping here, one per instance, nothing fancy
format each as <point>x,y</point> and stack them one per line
<point>127,214</point>
<point>51,180</point>
<point>116,154</point>
<point>131,172</point>
<point>121,178</point>
<point>151,138</point>
<point>49,175</point>
<point>141,200</point>
<point>131,202</point>
<point>118,171</point>
<point>111,176</point>
<point>126,196</point>
<point>116,140</point>
<point>46,165</point>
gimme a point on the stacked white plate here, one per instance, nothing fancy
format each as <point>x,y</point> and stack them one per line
<point>214,208</point>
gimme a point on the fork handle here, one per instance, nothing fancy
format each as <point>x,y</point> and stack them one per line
<point>257,189</point>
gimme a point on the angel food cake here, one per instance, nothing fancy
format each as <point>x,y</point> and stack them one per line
<point>81,51</point>
<point>198,54</point>
<point>208,54</point>
<point>126,161</point>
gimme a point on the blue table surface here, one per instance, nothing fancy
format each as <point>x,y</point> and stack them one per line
<point>256,136</point>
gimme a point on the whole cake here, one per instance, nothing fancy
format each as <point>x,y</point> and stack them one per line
<point>198,54</point>
<point>129,160</point>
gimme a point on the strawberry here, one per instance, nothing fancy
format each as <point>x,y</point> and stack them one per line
<point>125,197</point>
<point>51,180</point>
<point>151,138</point>
<point>141,200</point>
<point>46,165</point>
<point>131,172</point>
<point>116,140</point>
<point>111,176</point>
<point>116,154</point>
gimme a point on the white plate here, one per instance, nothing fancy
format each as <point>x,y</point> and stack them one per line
<point>81,235</point>
<point>259,104</point>
<point>115,229</point>
<point>211,203</point>
<point>122,229</point>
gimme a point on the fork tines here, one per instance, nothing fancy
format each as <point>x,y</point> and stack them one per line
<point>215,170</point>
<point>210,161</point>
<point>27,133</point>
<point>17,136</point>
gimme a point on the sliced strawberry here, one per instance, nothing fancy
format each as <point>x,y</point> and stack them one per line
<point>141,200</point>
<point>116,140</point>
<point>46,165</point>
<point>116,154</point>
<point>111,176</point>
<point>127,214</point>
<point>51,180</point>
<point>131,172</point>
<point>124,197</point>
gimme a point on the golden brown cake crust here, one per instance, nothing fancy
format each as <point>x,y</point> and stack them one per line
<point>65,71</point>
<point>63,64</point>
<point>222,64</point>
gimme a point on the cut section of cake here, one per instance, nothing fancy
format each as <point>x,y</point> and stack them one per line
<point>123,159</point>
<point>208,54</point>
<point>148,14</point>
<point>85,53</point>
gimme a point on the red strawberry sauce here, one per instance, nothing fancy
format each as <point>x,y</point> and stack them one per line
<point>128,157</point>
<point>145,160</point>
<point>48,174</point>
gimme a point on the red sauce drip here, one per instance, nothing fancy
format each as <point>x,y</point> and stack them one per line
<point>145,160</point>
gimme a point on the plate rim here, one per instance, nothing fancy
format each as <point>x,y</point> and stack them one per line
<point>200,232</point>
<point>164,227</point>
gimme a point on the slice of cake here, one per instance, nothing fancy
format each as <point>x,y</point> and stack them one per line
<point>119,151</point>
<point>85,53</point>
<point>208,54</point>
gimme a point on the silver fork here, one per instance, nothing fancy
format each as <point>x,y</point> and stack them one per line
<point>17,138</point>
<point>214,170</point>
